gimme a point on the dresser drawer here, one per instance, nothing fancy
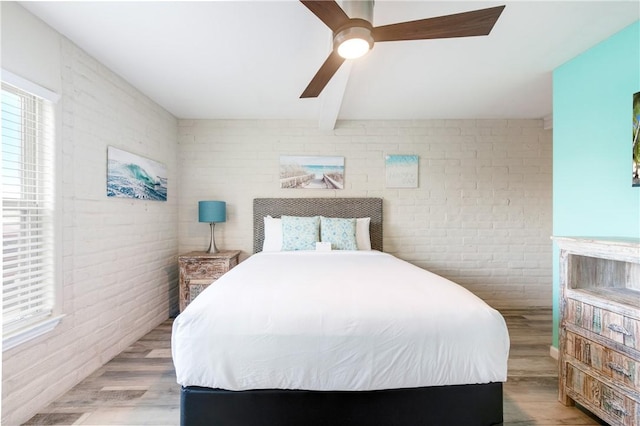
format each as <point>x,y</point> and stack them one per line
<point>610,325</point>
<point>619,367</point>
<point>612,405</point>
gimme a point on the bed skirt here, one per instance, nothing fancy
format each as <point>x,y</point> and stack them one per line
<point>467,405</point>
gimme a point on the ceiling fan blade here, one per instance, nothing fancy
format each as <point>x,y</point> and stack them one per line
<point>466,24</point>
<point>329,12</point>
<point>324,74</point>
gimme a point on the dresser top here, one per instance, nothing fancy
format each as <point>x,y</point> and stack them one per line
<point>624,241</point>
<point>612,248</point>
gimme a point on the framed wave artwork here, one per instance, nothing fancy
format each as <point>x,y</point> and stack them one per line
<point>132,176</point>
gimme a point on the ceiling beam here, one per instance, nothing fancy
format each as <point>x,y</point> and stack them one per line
<point>331,97</point>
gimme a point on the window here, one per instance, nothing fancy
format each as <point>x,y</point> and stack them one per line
<point>28,220</point>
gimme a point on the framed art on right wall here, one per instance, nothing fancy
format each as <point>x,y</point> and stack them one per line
<point>635,141</point>
<point>401,171</point>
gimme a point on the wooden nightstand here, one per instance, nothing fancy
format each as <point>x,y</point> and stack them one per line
<point>199,269</point>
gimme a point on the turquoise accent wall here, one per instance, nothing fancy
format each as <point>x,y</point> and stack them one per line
<point>592,100</point>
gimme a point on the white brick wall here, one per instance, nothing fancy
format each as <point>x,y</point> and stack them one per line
<point>119,255</point>
<point>481,215</point>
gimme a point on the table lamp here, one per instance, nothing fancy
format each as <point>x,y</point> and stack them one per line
<point>212,212</point>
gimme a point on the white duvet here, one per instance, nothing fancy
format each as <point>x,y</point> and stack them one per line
<point>336,321</point>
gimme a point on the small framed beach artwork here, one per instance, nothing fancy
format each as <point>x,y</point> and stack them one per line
<point>635,142</point>
<point>311,172</point>
<point>401,171</point>
<point>132,176</point>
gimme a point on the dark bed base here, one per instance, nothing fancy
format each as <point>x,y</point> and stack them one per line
<point>465,405</point>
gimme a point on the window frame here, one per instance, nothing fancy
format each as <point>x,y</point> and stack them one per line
<point>37,326</point>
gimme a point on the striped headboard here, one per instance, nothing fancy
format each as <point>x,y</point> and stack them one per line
<point>329,207</point>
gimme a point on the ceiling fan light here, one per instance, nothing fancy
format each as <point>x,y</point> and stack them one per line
<point>353,48</point>
<point>353,42</point>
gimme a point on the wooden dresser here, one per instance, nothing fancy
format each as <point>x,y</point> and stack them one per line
<point>199,269</point>
<point>600,327</point>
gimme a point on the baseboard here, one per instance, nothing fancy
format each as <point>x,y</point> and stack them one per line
<point>553,351</point>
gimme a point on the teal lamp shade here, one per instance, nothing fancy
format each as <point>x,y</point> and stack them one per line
<point>212,212</point>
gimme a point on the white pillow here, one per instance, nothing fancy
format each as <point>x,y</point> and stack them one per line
<point>272,234</point>
<point>363,239</point>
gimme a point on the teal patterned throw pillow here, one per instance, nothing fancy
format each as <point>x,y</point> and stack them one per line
<point>341,233</point>
<point>299,233</point>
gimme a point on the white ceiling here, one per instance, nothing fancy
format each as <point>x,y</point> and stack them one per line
<point>252,59</point>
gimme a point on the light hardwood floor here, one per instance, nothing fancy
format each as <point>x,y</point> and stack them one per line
<point>138,386</point>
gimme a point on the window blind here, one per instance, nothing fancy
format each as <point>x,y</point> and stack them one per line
<point>27,209</point>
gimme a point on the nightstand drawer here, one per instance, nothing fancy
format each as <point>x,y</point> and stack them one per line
<point>205,269</point>
<point>613,406</point>
<point>619,367</point>
<point>610,325</point>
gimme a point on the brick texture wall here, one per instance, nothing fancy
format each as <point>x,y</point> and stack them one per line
<point>481,215</point>
<point>119,255</point>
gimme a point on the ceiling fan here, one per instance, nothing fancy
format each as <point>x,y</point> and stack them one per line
<point>354,35</point>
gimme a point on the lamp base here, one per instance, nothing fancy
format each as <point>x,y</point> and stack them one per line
<point>212,245</point>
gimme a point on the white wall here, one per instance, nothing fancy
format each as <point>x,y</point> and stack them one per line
<point>119,255</point>
<point>30,49</point>
<point>481,215</point>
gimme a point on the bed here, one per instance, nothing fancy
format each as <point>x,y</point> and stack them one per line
<point>340,337</point>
